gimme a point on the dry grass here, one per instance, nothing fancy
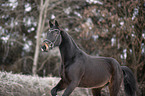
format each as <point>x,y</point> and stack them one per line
<point>24,85</point>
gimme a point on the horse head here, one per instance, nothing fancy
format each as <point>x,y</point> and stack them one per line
<point>53,38</point>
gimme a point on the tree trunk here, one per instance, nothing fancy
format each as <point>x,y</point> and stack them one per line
<point>39,30</point>
<point>34,69</point>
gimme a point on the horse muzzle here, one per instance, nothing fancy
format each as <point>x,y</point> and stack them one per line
<point>47,46</point>
<point>44,47</point>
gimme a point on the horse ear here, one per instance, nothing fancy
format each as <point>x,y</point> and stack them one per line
<point>56,23</point>
<point>50,24</point>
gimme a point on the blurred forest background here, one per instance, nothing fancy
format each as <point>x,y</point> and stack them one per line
<point>110,28</point>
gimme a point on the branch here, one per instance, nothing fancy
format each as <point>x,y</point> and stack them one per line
<point>27,57</point>
<point>55,5</point>
<point>43,63</point>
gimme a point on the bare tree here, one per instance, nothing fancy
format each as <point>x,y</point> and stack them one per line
<point>42,17</point>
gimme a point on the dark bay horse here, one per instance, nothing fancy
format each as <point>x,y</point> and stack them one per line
<point>79,69</point>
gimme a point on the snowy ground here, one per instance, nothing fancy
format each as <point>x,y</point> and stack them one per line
<point>25,85</point>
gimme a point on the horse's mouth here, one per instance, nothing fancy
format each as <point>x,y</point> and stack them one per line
<point>44,47</point>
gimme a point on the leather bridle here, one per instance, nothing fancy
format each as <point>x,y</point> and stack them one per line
<point>50,43</point>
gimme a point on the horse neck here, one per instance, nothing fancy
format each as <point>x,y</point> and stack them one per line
<point>68,47</point>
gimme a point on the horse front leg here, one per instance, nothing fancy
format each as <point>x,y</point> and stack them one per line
<point>60,86</point>
<point>70,88</point>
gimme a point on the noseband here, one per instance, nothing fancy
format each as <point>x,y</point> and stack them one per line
<point>51,43</point>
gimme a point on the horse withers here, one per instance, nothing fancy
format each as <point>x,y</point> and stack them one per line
<point>79,69</point>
